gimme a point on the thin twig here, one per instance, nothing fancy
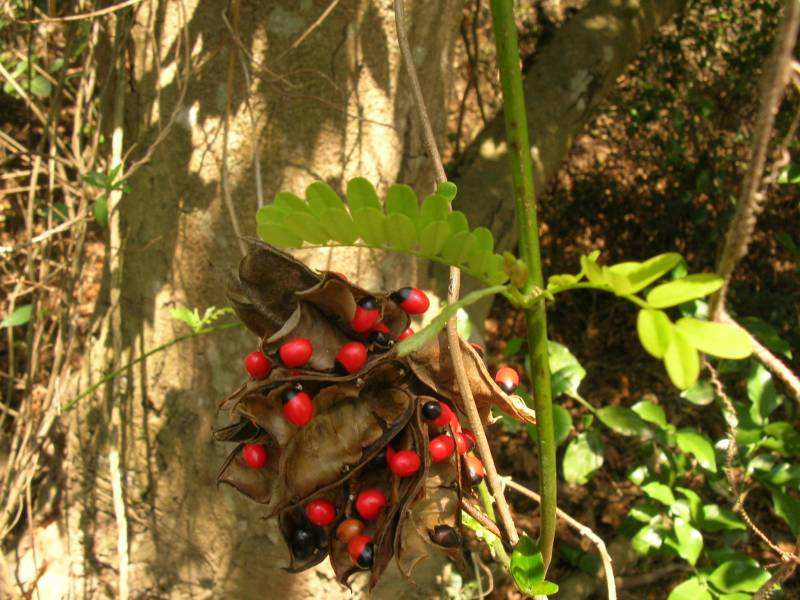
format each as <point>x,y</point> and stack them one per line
<point>582,529</point>
<point>752,197</point>
<point>224,176</point>
<point>778,577</point>
<point>732,421</point>
<point>453,339</point>
<point>89,15</point>
<point>310,29</point>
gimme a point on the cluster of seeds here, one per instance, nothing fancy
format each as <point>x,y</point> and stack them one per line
<point>359,453</point>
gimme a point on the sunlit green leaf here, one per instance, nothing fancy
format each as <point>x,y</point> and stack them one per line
<point>457,222</point>
<point>339,225</point>
<point>718,339</point>
<point>787,508</point>
<point>717,518</point>
<point>434,208</point>
<point>762,393</point>
<point>457,248</point>
<point>646,539</point>
<point>690,541</point>
<point>447,189</point>
<point>307,227</point>
<point>433,238</point>
<point>655,331</point>
<point>682,290</point>
<point>650,270</point>
<point>682,362</point>
<point>658,491</point>
<point>290,203</point>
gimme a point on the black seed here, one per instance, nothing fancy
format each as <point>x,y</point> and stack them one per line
<point>368,303</point>
<point>339,369</point>
<point>304,542</point>
<point>367,556</point>
<point>431,410</point>
<point>446,536</point>
<point>379,460</point>
<point>401,295</point>
<point>291,393</point>
<point>380,338</point>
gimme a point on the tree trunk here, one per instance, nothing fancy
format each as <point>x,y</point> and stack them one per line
<point>334,107</point>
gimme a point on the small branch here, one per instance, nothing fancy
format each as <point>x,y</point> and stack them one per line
<point>453,339</point>
<point>477,514</point>
<point>770,361</point>
<point>580,528</point>
<point>626,583</point>
<point>88,15</point>
<point>778,577</point>
<point>752,198</point>
<point>311,28</point>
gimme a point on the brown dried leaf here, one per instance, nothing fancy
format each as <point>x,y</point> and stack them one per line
<point>263,292</point>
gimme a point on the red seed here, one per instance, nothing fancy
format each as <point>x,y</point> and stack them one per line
<point>390,452</point>
<point>321,512</point>
<point>254,455</point>
<point>507,378</point>
<point>361,551</point>
<point>444,417</point>
<point>295,352</point>
<point>297,407</point>
<point>404,463</point>
<point>441,448</point>
<point>348,529</point>
<point>370,503</point>
<point>351,357</point>
<point>367,313</point>
<point>257,365</point>
<point>412,300</point>
<point>462,443</point>
<point>405,335</point>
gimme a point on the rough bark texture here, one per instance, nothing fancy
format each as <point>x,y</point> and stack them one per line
<point>570,76</point>
<point>335,107</point>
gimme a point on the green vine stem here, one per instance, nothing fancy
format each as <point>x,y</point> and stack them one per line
<point>505,33</point>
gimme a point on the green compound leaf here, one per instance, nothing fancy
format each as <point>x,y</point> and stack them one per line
<point>682,290</point>
<point>695,443</point>
<point>433,238</point>
<point>431,230</point>
<point>369,224</point>
<point>718,339</point>
<point>400,232</point>
<point>401,199</point>
<point>584,455</point>
<point>361,194</point>
<point>447,189</point>
<point>339,225</point>
<point>434,208</point>
<point>278,236</point>
<point>682,362</point>
<point>321,196</point>
<point>655,331</point>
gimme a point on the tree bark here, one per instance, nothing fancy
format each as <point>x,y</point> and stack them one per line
<point>334,107</point>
